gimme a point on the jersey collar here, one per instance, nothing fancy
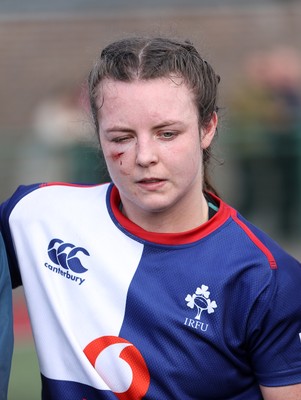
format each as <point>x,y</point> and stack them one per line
<point>113,201</point>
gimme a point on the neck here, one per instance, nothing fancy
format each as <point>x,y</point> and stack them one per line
<point>170,221</point>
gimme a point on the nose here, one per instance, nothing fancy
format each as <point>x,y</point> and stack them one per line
<point>146,151</point>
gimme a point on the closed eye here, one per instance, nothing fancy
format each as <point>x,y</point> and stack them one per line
<point>121,139</point>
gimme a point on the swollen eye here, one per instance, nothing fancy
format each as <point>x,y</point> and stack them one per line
<point>121,145</point>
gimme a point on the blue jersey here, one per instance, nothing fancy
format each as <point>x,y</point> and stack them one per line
<point>6,323</point>
<point>119,312</point>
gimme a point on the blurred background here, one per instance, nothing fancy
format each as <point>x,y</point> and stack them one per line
<point>47,49</point>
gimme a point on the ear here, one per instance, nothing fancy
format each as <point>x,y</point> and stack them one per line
<point>208,132</point>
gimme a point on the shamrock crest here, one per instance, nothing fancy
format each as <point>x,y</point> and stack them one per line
<point>200,299</point>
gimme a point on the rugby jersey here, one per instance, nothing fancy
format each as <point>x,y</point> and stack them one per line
<point>121,313</point>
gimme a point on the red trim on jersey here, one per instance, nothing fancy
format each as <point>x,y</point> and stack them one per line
<point>190,236</point>
<point>255,240</point>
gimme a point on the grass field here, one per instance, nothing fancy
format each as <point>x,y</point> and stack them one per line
<point>25,376</point>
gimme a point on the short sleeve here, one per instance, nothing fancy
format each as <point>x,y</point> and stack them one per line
<point>275,334</point>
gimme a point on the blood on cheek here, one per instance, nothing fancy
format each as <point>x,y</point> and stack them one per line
<point>117,156</point>
<point>117,153</point>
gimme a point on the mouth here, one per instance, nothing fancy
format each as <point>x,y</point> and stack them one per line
<point>150,180</point>
<point>151,183</point>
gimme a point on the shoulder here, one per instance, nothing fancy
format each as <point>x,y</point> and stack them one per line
<point>254,242</point>
<point>269,269</point>
<point>41,195</point>
<point>35,209</point>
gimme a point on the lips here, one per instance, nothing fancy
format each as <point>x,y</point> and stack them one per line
<point>151,183</point>
<point>150,180</point>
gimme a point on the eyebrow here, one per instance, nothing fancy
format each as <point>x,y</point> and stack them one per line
<point>118,129</point>
<point>167,123</point>
<point>164,124</point>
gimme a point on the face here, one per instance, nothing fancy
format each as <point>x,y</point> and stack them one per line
<point>149,133</point>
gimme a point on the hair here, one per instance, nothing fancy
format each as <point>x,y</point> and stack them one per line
<point>145,58</point>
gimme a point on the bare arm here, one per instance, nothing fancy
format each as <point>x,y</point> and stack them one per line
<point>291,392</point>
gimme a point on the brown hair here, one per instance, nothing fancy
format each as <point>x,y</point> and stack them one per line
<point>146,58</point>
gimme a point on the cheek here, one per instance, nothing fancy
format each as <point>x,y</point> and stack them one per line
<point>117,157</point>
<point>117,161</point>
<point>187,158</point>
<point>117,154</point>
<point>112,154</point>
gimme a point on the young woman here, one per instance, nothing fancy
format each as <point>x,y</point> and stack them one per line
<point>151,287</point>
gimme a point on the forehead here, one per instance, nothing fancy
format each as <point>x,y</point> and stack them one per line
<point>155,93</point>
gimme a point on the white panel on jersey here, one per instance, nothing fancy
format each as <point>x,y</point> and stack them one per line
<point>69,309</point>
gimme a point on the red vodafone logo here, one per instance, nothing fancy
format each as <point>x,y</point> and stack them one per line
<point>121,366</point>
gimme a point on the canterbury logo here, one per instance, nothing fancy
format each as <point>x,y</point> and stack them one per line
<point>67,255</point>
